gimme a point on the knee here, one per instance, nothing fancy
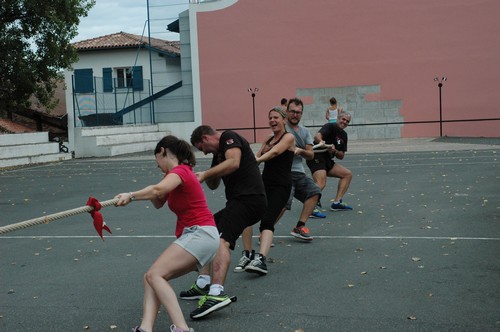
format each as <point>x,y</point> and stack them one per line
<point>150,276</point>
<point>147,278</point>
<point>269,227</point>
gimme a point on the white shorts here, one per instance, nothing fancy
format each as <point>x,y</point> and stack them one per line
<point>200,241</point>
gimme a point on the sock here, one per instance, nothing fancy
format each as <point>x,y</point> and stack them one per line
<point>252,255</point>
<point>300,224</point>
<point>203,280</point>
<point>216,289</point>
<point>336,202</point>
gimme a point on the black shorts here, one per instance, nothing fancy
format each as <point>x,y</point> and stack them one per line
<point>238,215</point>
<point>321,161</point>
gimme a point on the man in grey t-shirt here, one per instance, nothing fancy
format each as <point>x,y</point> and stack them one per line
<point>303,188</point>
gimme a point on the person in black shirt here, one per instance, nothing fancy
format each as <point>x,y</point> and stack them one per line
<point>234,163</point>
<point>277,154</point>
<point>323,164</point>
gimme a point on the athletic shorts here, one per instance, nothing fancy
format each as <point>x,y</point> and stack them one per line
<point>303,187</point>
<point>238,215</point>
<point>321,161</point>
<point>200,241</point>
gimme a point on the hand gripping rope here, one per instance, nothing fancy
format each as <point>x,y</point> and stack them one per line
<point>93,206</point>
<point>321,147</point>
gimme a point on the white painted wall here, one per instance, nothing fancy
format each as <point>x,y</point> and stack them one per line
<point>166,71</point>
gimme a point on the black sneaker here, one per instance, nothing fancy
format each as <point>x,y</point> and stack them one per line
<point>257,265</point>
<point>209,304</point>
<point>194,293</point>
<point>137,329</point>
<point>246,258</point>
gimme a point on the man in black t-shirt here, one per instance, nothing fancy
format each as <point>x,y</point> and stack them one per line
<point>234,163</point>
<point>323,164</point>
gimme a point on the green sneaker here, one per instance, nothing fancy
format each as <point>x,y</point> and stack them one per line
<point>194,293</point>
<point>209,304</point>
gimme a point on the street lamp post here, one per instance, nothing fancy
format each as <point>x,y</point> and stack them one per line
<point>440,85</point>
<point>254,91</point>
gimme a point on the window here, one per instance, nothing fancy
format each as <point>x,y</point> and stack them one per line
<point>123,77</point>
<point>130,77</point>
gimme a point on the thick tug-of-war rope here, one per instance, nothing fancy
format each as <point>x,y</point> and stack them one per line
<point>321,147</point>
<point>93,206</point>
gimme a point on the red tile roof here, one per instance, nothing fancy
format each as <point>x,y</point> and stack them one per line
<point>126,40</point>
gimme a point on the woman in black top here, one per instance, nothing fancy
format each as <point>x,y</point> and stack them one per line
<point>277,153</point>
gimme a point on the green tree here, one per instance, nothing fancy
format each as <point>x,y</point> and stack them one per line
<point>35,46</point>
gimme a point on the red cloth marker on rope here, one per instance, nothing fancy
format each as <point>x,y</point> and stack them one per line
<point>99,223</point>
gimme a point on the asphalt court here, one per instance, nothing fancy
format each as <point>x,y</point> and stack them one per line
<point>419,252</point>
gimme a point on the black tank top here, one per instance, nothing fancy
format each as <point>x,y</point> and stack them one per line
<point>277,171</point>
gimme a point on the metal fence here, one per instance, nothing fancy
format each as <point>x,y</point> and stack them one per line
<point>98,108</point>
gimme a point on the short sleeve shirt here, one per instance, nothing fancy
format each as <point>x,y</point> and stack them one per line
<point>188,201</point>
<point>246,180</point>
<point>333,134</point>
<point>302,138</point>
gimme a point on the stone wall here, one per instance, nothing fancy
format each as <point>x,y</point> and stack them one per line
<point>368,116</point>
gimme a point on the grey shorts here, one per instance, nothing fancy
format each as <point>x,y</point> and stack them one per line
<point>303,187</point>
<point>200,241</point>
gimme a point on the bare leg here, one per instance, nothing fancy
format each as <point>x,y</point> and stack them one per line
<point>247,238</point>
<point>345,177</point>
<point>151,305</point>
<point>266,239</point>
<point>319,178</point>
<point>221,262</point>
<point>172,263</point>
<point>308,208</point>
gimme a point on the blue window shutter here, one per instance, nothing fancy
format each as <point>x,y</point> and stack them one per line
<point>137,82</point>
<point>107,80</point>
<point>84,80</point>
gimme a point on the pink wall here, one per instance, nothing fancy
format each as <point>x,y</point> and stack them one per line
<point>401,45</point>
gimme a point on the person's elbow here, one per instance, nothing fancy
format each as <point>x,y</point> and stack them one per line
<point>213,183</point>
<point>233,165</point>
<point>308,155</point>
<point>157,203</point>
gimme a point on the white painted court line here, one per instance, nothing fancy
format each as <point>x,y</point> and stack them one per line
<point>347,237</point>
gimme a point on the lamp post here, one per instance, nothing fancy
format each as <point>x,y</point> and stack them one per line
<point>254,91</point>
<point>440,85</point>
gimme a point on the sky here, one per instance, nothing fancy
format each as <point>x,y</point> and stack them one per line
<point>108,16</point>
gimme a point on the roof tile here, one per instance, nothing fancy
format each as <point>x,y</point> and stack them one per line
<point>125,40</point>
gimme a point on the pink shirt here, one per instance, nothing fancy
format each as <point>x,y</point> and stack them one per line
<point>188,201</point>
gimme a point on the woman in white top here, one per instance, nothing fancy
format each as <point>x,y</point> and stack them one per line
<point>333,111</point>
